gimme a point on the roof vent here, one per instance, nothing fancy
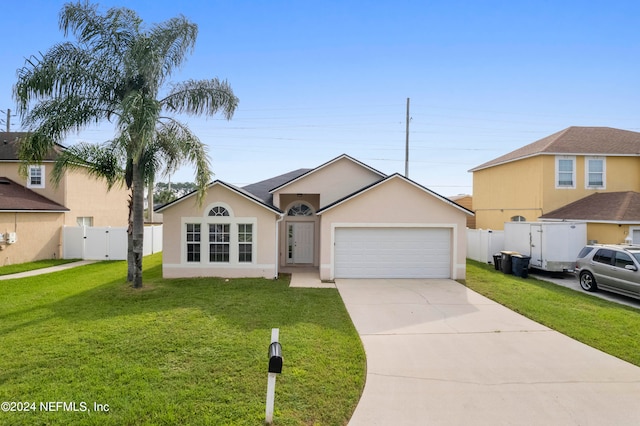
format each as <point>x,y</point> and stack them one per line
<point>4,181</point>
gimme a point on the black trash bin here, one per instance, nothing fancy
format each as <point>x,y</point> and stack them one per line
<point>520,265</point>
<point>505,261</point>
<point>497,261</point>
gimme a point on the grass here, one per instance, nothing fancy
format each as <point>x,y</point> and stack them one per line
<point>30,266</point>
<point>605,325</point>
<point>187,351</point>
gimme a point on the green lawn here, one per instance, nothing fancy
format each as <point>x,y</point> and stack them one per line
<point>39,264</point>
<point>189,351</point>
<point>608,326</point>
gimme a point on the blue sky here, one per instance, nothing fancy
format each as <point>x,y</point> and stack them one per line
<point>318,79</point>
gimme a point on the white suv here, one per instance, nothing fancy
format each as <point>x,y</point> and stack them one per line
<point>614,268</point>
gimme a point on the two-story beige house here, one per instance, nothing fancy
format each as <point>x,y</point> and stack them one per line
<point>589,174</point>
<point>33,210</point>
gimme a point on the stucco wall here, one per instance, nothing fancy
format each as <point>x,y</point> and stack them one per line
<point>395,203</point>
<point>243,210</point>
<point>38,237</point>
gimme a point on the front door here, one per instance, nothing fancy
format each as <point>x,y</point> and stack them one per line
<point>300,242</point>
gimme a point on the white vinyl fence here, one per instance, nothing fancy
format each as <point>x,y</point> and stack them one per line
<point>105,243</point>
<point>482,244</point>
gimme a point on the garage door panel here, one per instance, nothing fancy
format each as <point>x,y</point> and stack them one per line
<point>392,253</point>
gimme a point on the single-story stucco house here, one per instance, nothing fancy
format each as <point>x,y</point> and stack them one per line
<point>343,217</point>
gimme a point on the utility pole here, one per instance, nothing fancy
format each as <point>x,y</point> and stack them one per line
<point>8,120</point>
<point>406,155</point>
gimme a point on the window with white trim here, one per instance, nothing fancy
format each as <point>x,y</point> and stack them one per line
<point>595,172</point>
<point>219,242</point>
<point>35,178</point>
<point>565,172</point>
<point>84,220</point>
<point>300,209</point>
<point>218,211</point>
<point>518,219</point>
<point>193,242</point>
<point>245,242</point>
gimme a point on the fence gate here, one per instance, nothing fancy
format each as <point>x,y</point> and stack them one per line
<point>105,243</point>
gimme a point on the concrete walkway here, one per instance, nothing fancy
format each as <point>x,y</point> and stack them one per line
<point>307,277</point>
<point>47,270</point>
<point>441,354</point>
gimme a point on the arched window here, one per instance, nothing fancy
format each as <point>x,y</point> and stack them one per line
<point>218,211</point>
<point>300,209</point>
<point>518,219</point>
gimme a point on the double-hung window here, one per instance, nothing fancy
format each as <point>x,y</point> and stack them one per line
<point>245,242</point>
<point>595,172</point>
<point>193,242</point>
<point>35,179</point>
<point>565,172</point>
<point>219,242</point>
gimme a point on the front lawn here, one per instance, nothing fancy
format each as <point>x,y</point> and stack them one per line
<point>189,351</point>
<point>608,326</point>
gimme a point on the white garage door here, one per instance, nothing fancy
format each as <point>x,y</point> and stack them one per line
<point>392,253</point>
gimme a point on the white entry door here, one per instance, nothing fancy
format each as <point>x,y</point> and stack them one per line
<point>300,242</point>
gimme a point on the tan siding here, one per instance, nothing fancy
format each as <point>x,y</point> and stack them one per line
<point>512,189</point>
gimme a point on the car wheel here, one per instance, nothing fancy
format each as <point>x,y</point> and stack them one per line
<point>587,282</point>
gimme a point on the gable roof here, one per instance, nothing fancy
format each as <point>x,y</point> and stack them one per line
<point>388,178</point>
<point>17,198</point>
<point>601,207</point>
<point>261,189</point>
<point>575,140</point>
<point>322,166</point>
<point>240,191</point>
<point>9,142</point>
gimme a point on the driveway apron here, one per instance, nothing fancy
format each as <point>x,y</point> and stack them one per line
<point>441,354</point>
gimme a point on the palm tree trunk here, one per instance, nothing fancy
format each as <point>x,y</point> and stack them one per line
<point>138,223</point>
<point>130,262</point>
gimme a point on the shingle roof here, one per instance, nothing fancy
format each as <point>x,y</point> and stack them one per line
<point>576,140</point>
<point>15,197</point>
<point>261,189</point>
<point>9,147</point>
<point>602,206</point>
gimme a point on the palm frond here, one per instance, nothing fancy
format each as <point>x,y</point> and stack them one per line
<point>195,97</point>
<point>102,161</point>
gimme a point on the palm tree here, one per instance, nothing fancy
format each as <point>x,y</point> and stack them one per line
<point>118,70</point>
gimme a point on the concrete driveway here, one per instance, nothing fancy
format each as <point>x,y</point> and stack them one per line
<point>441,354</point>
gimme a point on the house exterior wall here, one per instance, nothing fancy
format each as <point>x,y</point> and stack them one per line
<point>38,237</point>
<point>508,190</point>
<point>243,211</point>
<point>86,196</point>
<point>394,203</point>
<point>527,187</point>
<point>83,195</point>
<point>332,182</point>
<point>609,233</point>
